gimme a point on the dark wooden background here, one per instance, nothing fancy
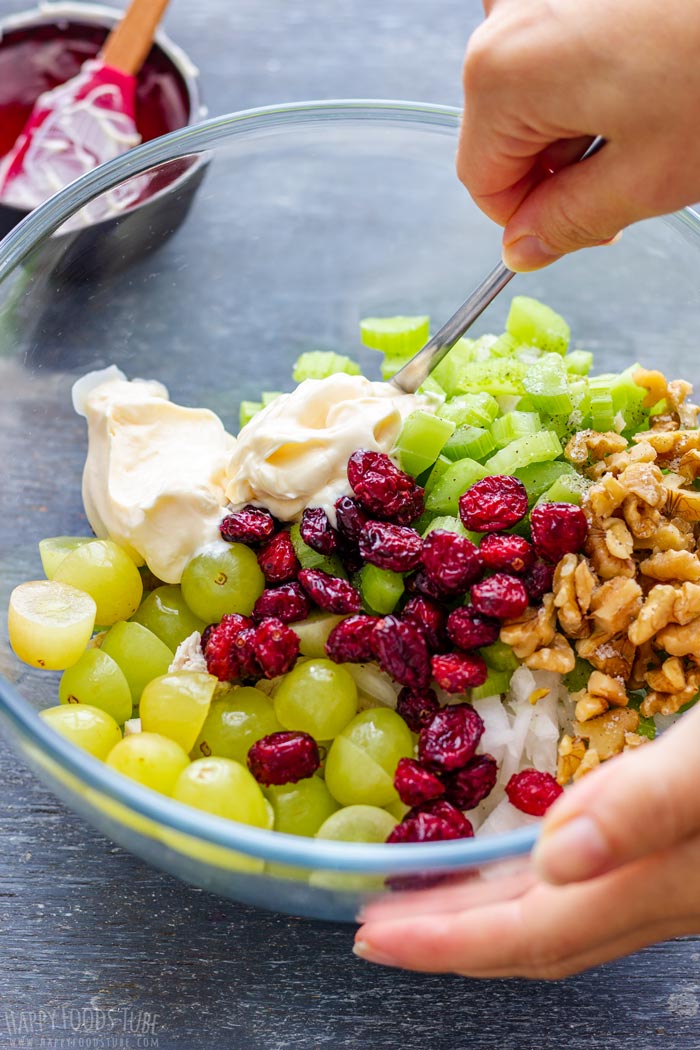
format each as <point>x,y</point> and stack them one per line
<point>86,927</point>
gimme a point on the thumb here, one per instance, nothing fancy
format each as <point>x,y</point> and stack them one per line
<point>581,206</point>
<point>642,802</point>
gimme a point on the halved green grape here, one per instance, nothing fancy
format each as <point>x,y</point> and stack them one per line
<point>397,810</point>
<point>362,760</point>
<point>87,727</point>
<point>54,549</point>
<point>317,697</point>
<point>151,759</point>
<point>380,588</point>
<point>167,615</point>
<point>357,823</point>
<point>234,722</point>
<point>140,654</point>
<point>49,623</point>
<point>301,808</point>
<point>224,788</point>
<point>177,705</point>
<point>98,680</point>
<point>319,364</point>
<point>222,579</point>
<point>421,439</point>
<point>532,323</point>
<point>108,574</point>
<point>313,633</point>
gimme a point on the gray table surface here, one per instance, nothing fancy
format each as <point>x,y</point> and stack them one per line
<point>86,928</point>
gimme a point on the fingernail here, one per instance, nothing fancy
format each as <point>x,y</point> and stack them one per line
<point>365,951</point>
<point>611,240</point>
<point>571,852</point>
<point>528,253</point>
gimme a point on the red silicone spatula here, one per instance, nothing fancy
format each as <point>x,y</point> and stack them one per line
<point>85,121</point>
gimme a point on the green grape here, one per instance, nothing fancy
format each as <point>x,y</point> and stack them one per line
<point>362,760</point>
<point>317,697</point>
<point>397,810</point>
<point>49,624</point>
<point>176,705</point>
<point>301,808</point>
<point>234,722</point>
<point>140,654</point>
<point>108,574</point>
<point>313,632</point>
<point>151,759</point>
<point>165,613</point>
<point>97,679</point>
<point>222,579</point>
<point>357,824</point>
<point>226,789</point>
<point>53,550</point>
<point>87,727</point>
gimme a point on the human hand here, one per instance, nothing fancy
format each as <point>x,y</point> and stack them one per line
<point>616,868</point>
<point>541,79</point>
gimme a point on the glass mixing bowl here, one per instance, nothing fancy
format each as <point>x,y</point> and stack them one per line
<point>312,216</point>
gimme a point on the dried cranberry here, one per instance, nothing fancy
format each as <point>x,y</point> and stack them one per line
<point>206,634</point>
<point>505,553</point>
<point>350,641</point>
<point>457,672</point>
<point>469,629</point>
<point>349,554</point>
<point>277,559</point>
<point>494,503</point>
<point>469,786</point>
<point>329,592</point>
<point>450,560</point>
<point>558,529</point>
<point>382,489</point>
<point>250,525</point>
<point>420,583</point>
<point>388,546</point>
<point>432,822</point>
<point>287,603</point>
<point>401,651</point>
<point>317,531</point>
<point>429,618</point>
<point>283,758</point>
<point>417,707</point>
<point>502,596</point>
<point>350,517</point>
<point>276,647</point>
<point>244,650</point>
<point>538,580</point>
<point>218,646</point>
<point>533,792</point>
<point>415,784</point>
<point>451,738</point>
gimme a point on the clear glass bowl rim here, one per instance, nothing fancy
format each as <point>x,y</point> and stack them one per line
<point>268,845</point>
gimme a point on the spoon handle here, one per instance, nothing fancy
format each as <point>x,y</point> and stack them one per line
<point>127,46</point>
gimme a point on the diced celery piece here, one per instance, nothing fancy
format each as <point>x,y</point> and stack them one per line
<point>578,678</point>
<point>390,366</point>
<point>469,443</point>
<point>503,375</point>
<point>268,396</point>
<point>528,354</point>
<point>546,383</point>
<point>504,346</point>
<point>568,488</point>
<point>578,362</point>
<point>311,559</point>
<point>380,588</point>
<point>247,410</point>
<point>420,440</point>
<point>395,336</point>
<point>483,346</point>
<point>534,448</point>
<point>514,425</point>
<point>432,388</point>
<point>534,324</point>
<point>319,364</point>
<point>500,656</point>
<point>453,364</point>
<point>601,411</point>
<point>496,682</point>
<point>539,477</point>
<point>458,477</point>
<point>449,524</point>
<point>441,465</point>
<point>476,410</point>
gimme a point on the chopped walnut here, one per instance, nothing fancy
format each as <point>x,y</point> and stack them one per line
<point>645,658</point>
<point>604,563</point>
<point>618,538</point>
<point>572,750</point>
<point>590,445</point>
<point>655,613</point>
<point>645,481</point>
<point>605,496</point>
<point>611,689</point>
<point>686,607</point>
<point>634,740</point>
<point>590,760</point>
<point>572,595</point>
<point>677,397</point>
<point>669,445</point>
<point>669,678</point>
<point>588,706</point>
<point>684,503</point>
<point>680,640</point>
<point>558,656</point>
<point>531,631</point>
<point>642,519</point>
<point>689,465</point>
<point>676,535</point>
<point>606,733</point>
<point>642,452</point>
<point>665,421</point>
<point>670,703</point>
<point>611,655</point>
<point>615,604</point>
<point>672,565</point>
<point>654,383</point>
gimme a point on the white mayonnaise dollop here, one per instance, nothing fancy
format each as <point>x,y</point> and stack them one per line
<point>155,475</point>
<point>294,453</point>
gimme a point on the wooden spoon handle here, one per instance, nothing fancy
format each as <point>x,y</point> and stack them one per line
<point>130,41</point>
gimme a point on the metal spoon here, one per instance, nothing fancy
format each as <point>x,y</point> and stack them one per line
<point>416,371</point>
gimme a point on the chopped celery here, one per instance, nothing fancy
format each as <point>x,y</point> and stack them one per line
<point>469,443</point>
<point>380,588</point>
<point>319,364</point>
<point>432,388</point>
<point>247,410</point>
<point>601,410</point>
<point>578,678</point>
<point>500,656</point>
<point>534,324</point>
<point>395,336</point>
<point>503,375</point>
<point>546,383</point>
<point>541,476</point>
<point>477,410</point>
<point>453,364</point>
<point>441,465</point>
<point>458,477</point>
<point>311,559</point>
<point>504,346</point>
<point>268,396</point>
<point>514,425</point>
<point>568,488</point>
<point>578,362</point>
<point>390,366</point>
<point>420,440</point>
<point>533,448</point>
<point>450,524</point>
<point>496,682</point>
